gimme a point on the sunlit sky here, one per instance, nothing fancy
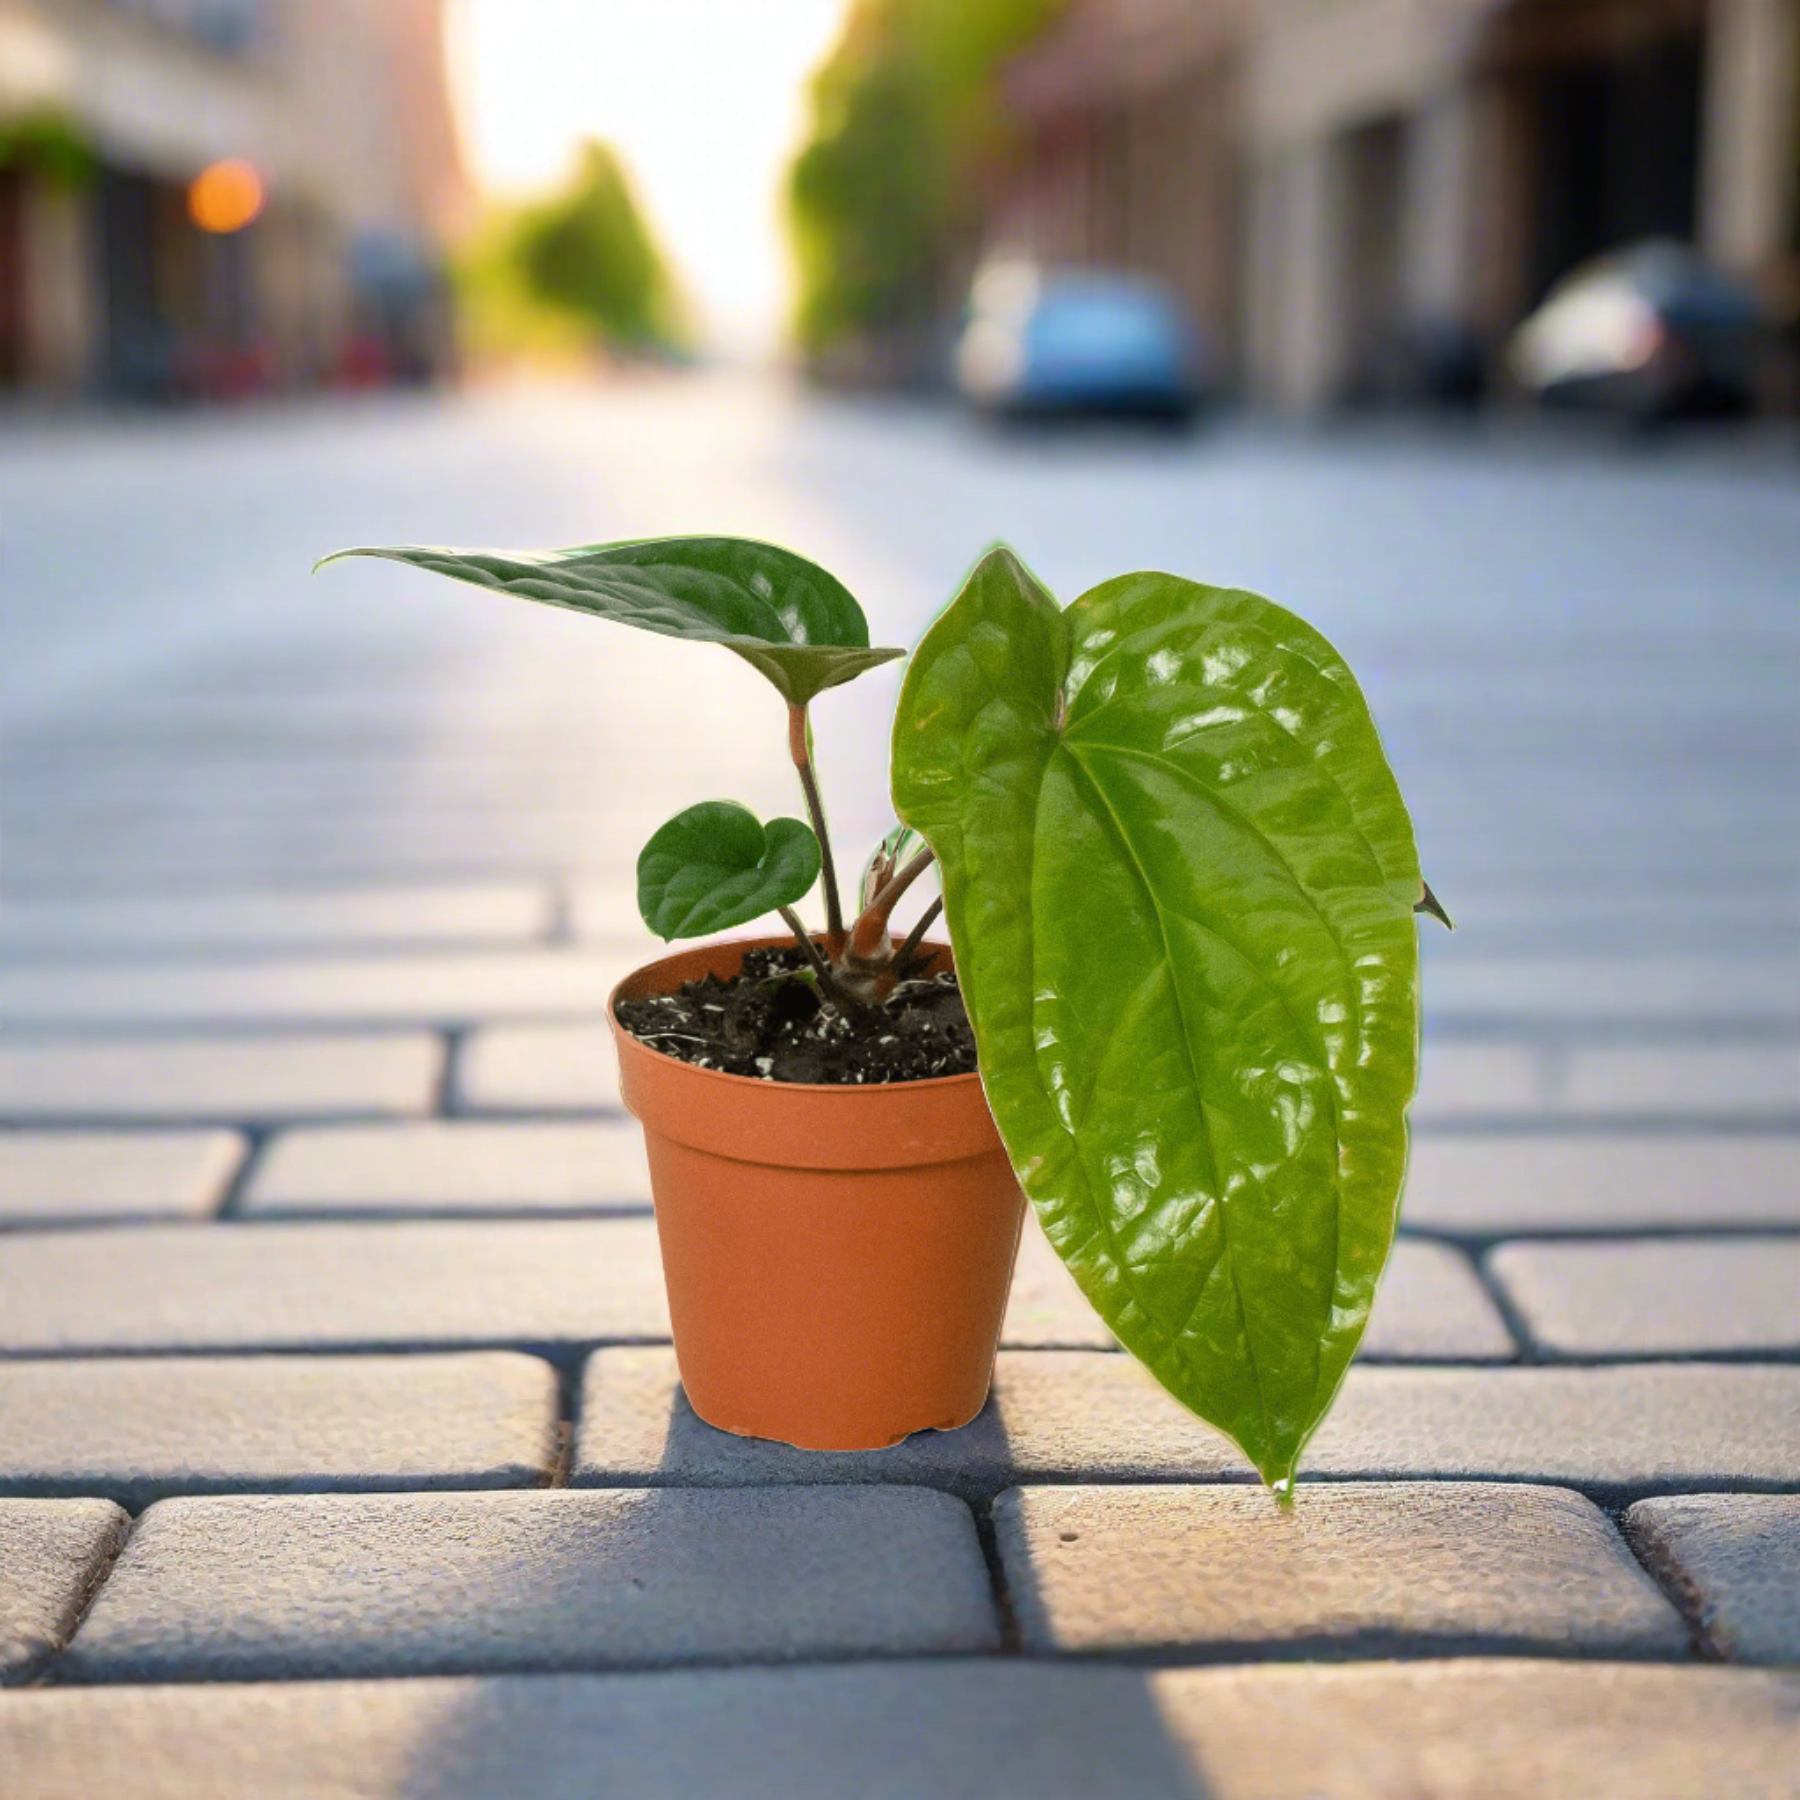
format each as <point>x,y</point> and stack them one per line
<point>703,98</point>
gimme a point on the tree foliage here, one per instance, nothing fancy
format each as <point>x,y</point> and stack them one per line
<point>904,111</point>
<point>578,267</point>
<point>46,143</point>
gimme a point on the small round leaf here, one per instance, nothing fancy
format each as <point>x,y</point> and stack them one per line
<point>715,866</point>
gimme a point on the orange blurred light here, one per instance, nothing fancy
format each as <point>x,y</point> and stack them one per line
<point>226,196</point>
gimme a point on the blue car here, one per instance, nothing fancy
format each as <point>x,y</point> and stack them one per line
<point>1046,343</point>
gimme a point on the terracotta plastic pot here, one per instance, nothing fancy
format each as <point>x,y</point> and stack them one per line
<point>837,1258</point>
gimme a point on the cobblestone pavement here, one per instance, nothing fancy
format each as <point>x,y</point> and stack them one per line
<point>341,1445</point>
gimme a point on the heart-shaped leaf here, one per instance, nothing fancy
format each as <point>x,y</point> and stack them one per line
<point>785,616</point>
<point>1179,880</point>
<point>714,866</point>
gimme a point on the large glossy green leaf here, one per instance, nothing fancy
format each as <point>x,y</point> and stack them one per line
<point>1179,881</point>
<point>785,616</point>
<point>715,866</point>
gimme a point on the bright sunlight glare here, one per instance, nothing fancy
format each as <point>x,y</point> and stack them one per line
<point>702,98</point>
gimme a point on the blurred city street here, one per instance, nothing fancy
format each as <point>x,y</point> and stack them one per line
<point>1581,652</point>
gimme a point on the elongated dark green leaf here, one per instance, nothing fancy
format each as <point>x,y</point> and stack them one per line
<point>785,616</point>
<point>1179,880</point>
<point>714,866</point>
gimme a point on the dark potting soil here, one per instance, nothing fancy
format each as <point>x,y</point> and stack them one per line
<point>769,1022</point>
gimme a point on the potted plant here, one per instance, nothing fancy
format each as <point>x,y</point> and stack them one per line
<point>1178,1008</point>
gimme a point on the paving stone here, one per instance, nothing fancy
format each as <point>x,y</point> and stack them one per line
<point>537,1069</point>
<point>290,918</point>
<point>140,1428</point>
<point>1733,1560</point>
<point>1480,1081</point>
<point>601,907</point>
<point>1700,1081</point>
<point>569,1067</point>
<point>1656,989</point>
<point>1073,1415</point>
<point>410,1584</point>
<point>1431,1307</point>
<point>1649,924</point>
<point>51,1554</point>
<point>1045,1308</point>
<point>443,987</point>
<point>72,1177</point>
<point>1000,1729</point>
<point>1400,1568</point>
<point>422,1285</point>
<point>439,1166</point>
<point>1502,1184</point>
<point>1485,1729</point>
<point>1667,1297</point>
<point>962,1729</point>
<point>244,1080</point>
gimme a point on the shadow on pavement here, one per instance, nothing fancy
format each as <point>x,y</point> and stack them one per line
<point>943,1730</point>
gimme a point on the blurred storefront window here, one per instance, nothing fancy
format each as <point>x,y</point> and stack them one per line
<point>188,187</point>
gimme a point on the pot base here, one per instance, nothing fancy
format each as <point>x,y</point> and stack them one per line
<point>763,1437</point>
<point>835,1309</point>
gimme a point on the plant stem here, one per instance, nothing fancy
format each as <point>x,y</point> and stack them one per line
<point>916,936</point>
<point>901,879</point>
<point>801,752</point>
<point>827,982</point>
<point>870,930</point>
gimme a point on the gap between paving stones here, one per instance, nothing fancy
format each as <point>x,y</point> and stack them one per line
<point>46,1670</point>
<point>256,1142</point>
<point>42,1540</point>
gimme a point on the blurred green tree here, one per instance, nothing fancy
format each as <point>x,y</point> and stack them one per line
<point>577,269</point>
<point>47,143</point>
<point>903,112</point>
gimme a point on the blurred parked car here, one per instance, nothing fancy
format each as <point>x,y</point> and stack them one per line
<point>1651,332</point>
<point>1045,343</point>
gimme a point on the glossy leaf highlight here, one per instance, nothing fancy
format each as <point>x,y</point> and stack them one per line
<point>1179,881</point>
<point>797,625</point>
<point>715,866</point>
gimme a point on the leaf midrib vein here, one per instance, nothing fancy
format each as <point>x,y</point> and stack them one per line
<point>1187,1050</point>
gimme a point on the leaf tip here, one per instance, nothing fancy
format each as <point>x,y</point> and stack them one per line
<point>1428,902</point>
<point>332,556</point>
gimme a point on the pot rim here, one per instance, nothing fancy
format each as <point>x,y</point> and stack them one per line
<point>847,1090</point>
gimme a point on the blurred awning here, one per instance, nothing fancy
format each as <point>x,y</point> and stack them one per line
<point>1518,33</point>
<point>141,103</point>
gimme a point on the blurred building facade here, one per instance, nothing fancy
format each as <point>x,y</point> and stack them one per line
<point>110,280</point>
<point>1362,197</point>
